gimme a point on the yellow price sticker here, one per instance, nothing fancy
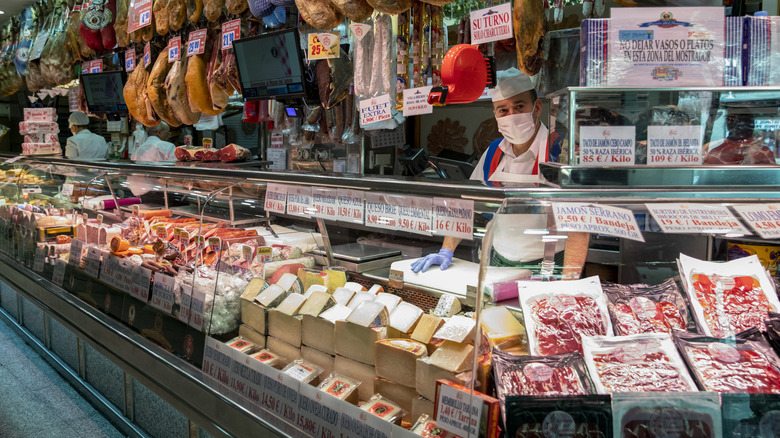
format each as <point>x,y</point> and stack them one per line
<point>324,45</point>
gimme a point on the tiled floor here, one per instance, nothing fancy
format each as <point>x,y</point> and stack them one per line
<point>35,401</point>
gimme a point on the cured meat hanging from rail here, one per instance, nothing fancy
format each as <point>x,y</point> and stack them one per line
<point>530,28</point>
<point>321,14</point>
<point>212,9</point>
<point>161,17</point>
<point>194,10</point>
<point>176,88</point>
<point>177,14</point>
<point>137,98</point>
<point>158,95</point>
<point>356,10</point>
<point>120,24</point>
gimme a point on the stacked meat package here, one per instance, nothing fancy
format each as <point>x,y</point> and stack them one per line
<point>40,132</point>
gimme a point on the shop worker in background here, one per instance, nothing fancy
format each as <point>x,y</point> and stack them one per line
<point>156,147</point>
<point>516,158</point>
<point>84,145</point>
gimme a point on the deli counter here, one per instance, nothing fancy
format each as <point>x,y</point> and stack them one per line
<point>200,291</point>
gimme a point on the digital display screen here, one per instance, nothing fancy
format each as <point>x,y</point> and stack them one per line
<point>293,111</point>
<point>270,65</point>
<point>104,92</point>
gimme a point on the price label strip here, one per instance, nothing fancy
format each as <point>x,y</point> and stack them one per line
<point>593,218</point>
<point>696,218</point>
<point>763,218</point>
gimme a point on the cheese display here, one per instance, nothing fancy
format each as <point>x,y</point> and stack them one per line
<point>253,288</point>
<point>457,329</point>
<point>272,296</point>
<point>251,335</point>
<point>376,289</point>
<point>311,278</point>
<point>336,278</point>
<point>403,395</point>
<point>369,314</point>
<point>357,287</point>
<point>291,305</point>
<point>269,358</point>
<point>285,327</point>
<point>343,295</point>
<point>453,356</point>
<point>315,288</point>
<point>447,306</point>
<point>242,345</point>
<point>427,326</point>
<point>405,317</point>
<point>287,351</point>
<point>383,408</point>
<point>255,316</point>
<point>389,300</point>
<point>358,371</point>
<point>302,370</point>
<point>360,298</point>
<point>317,301</point>
<point>396,359</point>
<point>426,375</point>
<point>502,330</point>
<point>357,342</point>
<point>290,283</point>
<point>320,358</point>
<point>341,387</point>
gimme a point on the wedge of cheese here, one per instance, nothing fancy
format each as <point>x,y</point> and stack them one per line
<point>337,277</point>
<point>271,297</point>
<point>285,327</point>
<point>291,305</point>
<point>254,315</point>
<point>405,317</point>
<point>317,302</point>
<point>457,329</point>
<point>502,329</point>
<point>342,387</point>
<point>422,406</point>
<point>252,335</point>
<point>403,395</point>
<point>447,306</point>
<point>427,326</point>
<point>453,356</point>
<point>389,300</point>
<point>426,375</point>
<point>287,351</point>
<point>253,289</point>
<point>360,298</point>
<point>319,358</point>
<point>357,287</point>
<point>357,342</point>
<point>311,277</point>
<point>290,283</point>
<point>376,289</point>
<point>343,296</point>
<point>370,314</point>
<point>361,372</point>
<point>396,359</point>
<point>315,288</point>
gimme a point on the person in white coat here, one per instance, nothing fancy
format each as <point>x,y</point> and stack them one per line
<point>156,147</point>
<point>84,145</point>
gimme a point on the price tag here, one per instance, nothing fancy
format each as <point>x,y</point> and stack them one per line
<point>67,189</point>
<point>186,303</point>
<point>215,244</point>
<point>92,262</point>
<point>599,219</point>
<point>161,232</point>
<point>380,212</point>
<point>324,202</point>
<point>217,360</point>
<point>264,254</point>
<point>299,201</point>
<point>147,55</point>
<point>96,66</point>
<point>174,49</point>
<point>130,60</point>
<point>763,218</point>
<point>695,218</point>
<point>125,279</point>
<point>198,299</point>
<point>201,242</point>
<point>196,44</point>
<point>230,31</point>
<point>323,46</point>
<point>142,279</point>
<point>139,14</point>
<point>458,411</point>
<point>416,101</point>
<point>415,214</point>
<point>275,198</point>
<point>76,247</point>
<point>375,109</point>
<point>246,252</point>
<point>178,234</point>
<point>162,292</point>
<point>674,145</point>
<point>29,190</point>
<point>40,259</point>
<point>607,145</point>
<point>58,276</point>
<point>349,205</point>
<point>453,217</point>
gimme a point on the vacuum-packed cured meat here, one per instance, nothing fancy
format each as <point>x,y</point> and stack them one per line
<point>641,308</point>
<point>638,363</point>
<point>584,416</point>
<point>694,415</point>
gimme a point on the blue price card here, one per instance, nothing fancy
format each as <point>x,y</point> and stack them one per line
<point>147,55</point>
<point>196,42</point>
<point>174,49</point>
<point>146,18</point>
<point>230,32</point>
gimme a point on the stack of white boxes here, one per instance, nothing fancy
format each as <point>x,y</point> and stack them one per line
<point>40,132</point>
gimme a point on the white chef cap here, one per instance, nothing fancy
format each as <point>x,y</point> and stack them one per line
<point>511,82</point>
<point>78,118</point>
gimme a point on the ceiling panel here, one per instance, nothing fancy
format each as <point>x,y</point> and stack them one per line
<point>12,8</point>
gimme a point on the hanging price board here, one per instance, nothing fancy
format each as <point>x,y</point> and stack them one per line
<point>130,60</point>
<point>147,55</point>
<point>323,46</point>
<point>139,15</point>
<point>174,49</point>
<point>96,66</point>
<point>230,31</point>
<point>196,44</point>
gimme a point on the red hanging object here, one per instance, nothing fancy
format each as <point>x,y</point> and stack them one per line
<point>465,73</point>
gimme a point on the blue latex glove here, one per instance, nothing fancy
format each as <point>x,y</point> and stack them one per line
<point>442,258</point>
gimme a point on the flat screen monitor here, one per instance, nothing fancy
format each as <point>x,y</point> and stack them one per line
<point>453,169</point>
<point>104,92</point>
<point>271,66</point>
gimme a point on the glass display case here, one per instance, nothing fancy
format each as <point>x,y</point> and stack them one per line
<point>238,281</point>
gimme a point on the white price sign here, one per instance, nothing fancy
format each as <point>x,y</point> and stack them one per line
<point>162,292</point>
<point>599,219</point>
<point>350,205</point>
<point>607,145</point>
<point>695,218</point>
<point>299,202</point>
<point>491,24</point>
<point>415,214</point>
<point>375,109</point>
<point>380,211</point>
<point>76,249</point>
<point>142,280</point>
<point>40,258</point>
<point>416,101</point>
<point>186,303</point>
<point>674,145</point>
<point>217,360</point>
<point>458,411</point>
<point>763,218</point>
<point>198,300</point>
<point>453,217</point>
<point>58,276</point>
<point>325,202</point>
<point>275,198</point>
<point>92,262</point>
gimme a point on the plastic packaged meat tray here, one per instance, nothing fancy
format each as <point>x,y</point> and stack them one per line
<point>642,308</point>
<point>692,415</point>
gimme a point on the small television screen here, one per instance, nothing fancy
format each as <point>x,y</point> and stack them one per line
<point>104,92</point>
<point>270,66</point>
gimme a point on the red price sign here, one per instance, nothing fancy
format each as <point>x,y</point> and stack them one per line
<point>196,44</point>
<point>139,14</point>
<point>230,31</point>
<point>130,60</point>
<point>174,49</point>
<point>147,55</point>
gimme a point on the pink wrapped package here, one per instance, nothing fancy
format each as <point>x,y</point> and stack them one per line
<point>41,138</point>
<point>41,148</point>
<point>40,114</point>
<point>27,128</point>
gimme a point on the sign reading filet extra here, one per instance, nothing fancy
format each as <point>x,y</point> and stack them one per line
<point>607,145</point>
<point>323,46</point>
<point>380,212</point>
<point>130,60</point>
<point>324,202</point>
<point>375,109</point>
<point>695,218</point>
<point>349,205</point>
<point>674,145</point>
<point>275,198</point>
<point>491,24</point>
<point>196,44</point>
<point>763,218</point>
<point>139,14</point>
<point>453,217</point>
<point>230,32</point>
<point>592,218</point>
<point>415,214</point>
<point>299,201</point>
<point>416,101</point>
<point>457,411</point>
<point>162,292</point>
<point>671,47</point>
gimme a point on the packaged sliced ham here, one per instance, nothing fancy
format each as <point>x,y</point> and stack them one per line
<point>750,415</point>
<point>583,416</point>
<point>558,313</point>
<point>641,308</point>
<point>731,364</point>
<point>694,415</point>
<point>730,297</point>
<point>773,331</point>
<point>637,363</point>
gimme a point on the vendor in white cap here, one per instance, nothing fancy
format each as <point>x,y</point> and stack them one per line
<point>84,145</point>
<point>156,147</point>
<point>519,239</point>
<point>516,157</point>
